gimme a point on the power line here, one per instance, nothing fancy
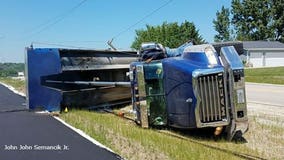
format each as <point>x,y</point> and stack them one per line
<point>58,18</point>
<point>142,19</point>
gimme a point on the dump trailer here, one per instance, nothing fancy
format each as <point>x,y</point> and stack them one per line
<point>192,86</point>
<point>59,78</point>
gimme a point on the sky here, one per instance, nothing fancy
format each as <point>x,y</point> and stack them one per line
<point>89,24</point>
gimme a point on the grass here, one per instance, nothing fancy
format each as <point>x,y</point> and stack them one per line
<point>19,85</point>
<point>273,75</point>
<point>265,138</point>
<point>266,134</point>
<point>134,142</point>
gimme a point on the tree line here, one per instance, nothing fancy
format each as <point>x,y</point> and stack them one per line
<point>246,20</point>
<point>169,34</point>
<point>11,69</point>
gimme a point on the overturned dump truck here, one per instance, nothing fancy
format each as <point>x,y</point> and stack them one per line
<point>191,86</point>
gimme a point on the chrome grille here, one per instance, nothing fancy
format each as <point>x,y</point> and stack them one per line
<point>212,98</point>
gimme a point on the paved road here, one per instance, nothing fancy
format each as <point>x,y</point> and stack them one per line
<point>265,94</point>
<point>41,136</point>
<point>10,101</point>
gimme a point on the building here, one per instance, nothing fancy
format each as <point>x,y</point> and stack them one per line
<point>21,74</point>
<point>264,53</point>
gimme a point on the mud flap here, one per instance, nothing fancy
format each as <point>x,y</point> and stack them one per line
<point>235,131</point>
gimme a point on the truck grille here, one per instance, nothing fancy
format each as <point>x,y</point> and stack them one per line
<point>212,98</point>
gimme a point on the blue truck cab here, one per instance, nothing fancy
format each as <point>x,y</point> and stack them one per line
<point>196,89</point>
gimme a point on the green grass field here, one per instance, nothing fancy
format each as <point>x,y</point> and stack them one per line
<point>273,75</point>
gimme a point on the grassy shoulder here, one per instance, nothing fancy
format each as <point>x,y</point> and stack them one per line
<point>273,75</point>
<point>19,85</point>
<point>134,142</point>
<point>266,132</point>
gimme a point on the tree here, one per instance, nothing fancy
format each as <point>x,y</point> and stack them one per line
<point>11,69</point>
<point>252,19</point>
<point>168,34</point>
<point>278,16</point>
<point>222,25</point>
